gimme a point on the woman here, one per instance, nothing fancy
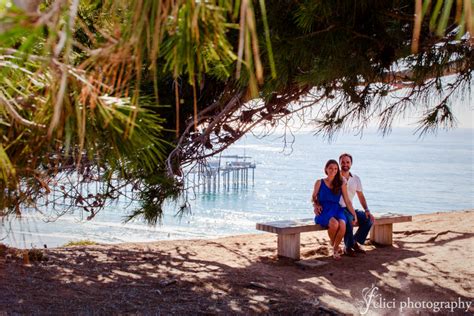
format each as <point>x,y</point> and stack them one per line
<point>326,196</point>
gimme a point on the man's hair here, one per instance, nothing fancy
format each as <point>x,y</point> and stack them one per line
<point>345,155</point>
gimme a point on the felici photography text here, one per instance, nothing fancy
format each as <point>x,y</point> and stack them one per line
<point>373,300</point>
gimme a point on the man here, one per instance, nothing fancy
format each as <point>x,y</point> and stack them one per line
<point>364,218</point>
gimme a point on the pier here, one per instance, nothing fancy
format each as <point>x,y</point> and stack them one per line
<point>227,172</point>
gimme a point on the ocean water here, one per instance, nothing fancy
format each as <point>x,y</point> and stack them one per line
<point>400,173</point>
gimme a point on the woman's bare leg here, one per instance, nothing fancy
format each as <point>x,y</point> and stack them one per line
<point>339,234</point>
<point>332,229</point>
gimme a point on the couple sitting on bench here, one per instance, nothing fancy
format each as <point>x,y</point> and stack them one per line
<point>332,201</point>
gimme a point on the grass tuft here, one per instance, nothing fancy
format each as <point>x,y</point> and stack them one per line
<point>84,242</point>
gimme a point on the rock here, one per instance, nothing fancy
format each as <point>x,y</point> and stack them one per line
<point>312,263</point>
<point>260,286</point>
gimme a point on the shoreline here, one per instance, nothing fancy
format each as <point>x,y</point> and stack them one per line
<point>430,261</point>
<point>49,237</point>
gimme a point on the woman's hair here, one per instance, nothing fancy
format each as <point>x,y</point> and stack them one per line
<point>337,181</point>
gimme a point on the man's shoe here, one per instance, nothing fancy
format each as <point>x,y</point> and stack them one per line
<point>350,252</point>
<point>358,249</point>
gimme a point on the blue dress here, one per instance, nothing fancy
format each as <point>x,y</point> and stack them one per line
<point>330,204</point>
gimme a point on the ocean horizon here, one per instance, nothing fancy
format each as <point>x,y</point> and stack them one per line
<point>401,173</point>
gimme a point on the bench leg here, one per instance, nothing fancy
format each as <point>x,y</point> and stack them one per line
<point>289,246</point>
<point>382,234</point>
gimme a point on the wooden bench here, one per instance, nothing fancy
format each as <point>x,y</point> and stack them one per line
<point>289,232</point>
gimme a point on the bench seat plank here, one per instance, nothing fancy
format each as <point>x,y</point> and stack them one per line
<point>308,225</point>
<point>391,219</point>
<point>290,226</point>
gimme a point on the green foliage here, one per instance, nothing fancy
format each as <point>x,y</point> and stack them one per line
<point>196,43</point>
<point>75,97</point>
<point>158,190</point>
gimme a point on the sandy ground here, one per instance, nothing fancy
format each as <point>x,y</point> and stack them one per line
<point>430,262</point>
